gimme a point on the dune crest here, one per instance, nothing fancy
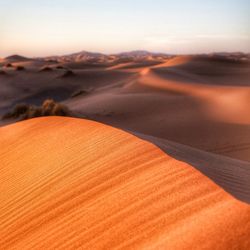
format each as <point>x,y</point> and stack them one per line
<point>75,183</point>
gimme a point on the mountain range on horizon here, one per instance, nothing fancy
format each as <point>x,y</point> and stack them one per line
<point>86,55</point>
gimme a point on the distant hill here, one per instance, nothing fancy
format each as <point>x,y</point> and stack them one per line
<point>99,57</point>
<point>137,55</point>
<point>16,58</point>
<point>140,53</point>
<point>78,57</point>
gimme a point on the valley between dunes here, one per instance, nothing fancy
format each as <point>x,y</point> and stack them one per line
<point>71,183</point>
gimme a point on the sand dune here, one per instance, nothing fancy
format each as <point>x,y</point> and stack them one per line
<point>34,86</point>
<point>206,69</point>
<point>182,99</point>
<point>16,58</point>
<point>180,110</point>
<point>177,179</point>
<point>231,174</point>
<point>74,183</point>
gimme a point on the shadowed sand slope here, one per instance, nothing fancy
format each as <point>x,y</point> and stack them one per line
<point>201,102</point>
<point>69,183</point>
<point>231,174</point>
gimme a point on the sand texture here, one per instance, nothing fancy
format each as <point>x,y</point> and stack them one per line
<point>76,184</point>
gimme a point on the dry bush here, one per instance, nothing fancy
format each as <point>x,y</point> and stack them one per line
<point>20,68</point>
<point>32,113</point>
<point>60,110</point>
<point>8,65</point>
<point>48,108</point>
<point>18,111</point>
<point>68,73</point>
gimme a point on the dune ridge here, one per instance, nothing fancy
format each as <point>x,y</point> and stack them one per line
<point>182,99</point>
<point>231,174</point>
<point>75,183</point>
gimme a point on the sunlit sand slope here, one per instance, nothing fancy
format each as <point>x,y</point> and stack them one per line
<point>69,183</point>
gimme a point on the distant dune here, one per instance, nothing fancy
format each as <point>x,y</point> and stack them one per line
<point>14,58</point>
<point>200,101</point>
<point>169,170</point>
<point>73,183</point>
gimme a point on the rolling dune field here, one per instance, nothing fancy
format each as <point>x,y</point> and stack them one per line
<point>155,155</point>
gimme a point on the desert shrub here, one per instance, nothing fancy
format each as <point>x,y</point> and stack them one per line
<point>68,73</point>
<point>32,112</point>
<point>60,110</point>
<point>8,65</point>
<point>17,111</point>
<point>48,108</point>
<point>20,68</point>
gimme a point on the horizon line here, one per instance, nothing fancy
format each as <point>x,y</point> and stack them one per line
<point>125,52</point>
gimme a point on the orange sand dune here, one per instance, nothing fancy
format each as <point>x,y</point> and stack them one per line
<point>69,183</point>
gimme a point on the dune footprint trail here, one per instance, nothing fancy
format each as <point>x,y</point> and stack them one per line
<point>68,183</point>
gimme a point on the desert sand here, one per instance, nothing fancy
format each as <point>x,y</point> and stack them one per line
<point>181,99</point>
<point>74,183</point>
<point>157,158</point>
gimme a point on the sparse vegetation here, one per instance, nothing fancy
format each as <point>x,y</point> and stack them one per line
<point>8,65</point>
<point>32,113</point>
<point>18,111</point>
<point>20,68</point>
<point>48,108</point>
<point>68,73</point>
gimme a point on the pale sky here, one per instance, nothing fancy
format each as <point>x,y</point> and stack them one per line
<point>51,27</point>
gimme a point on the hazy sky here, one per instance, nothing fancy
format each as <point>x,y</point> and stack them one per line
<point>49,27</point>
